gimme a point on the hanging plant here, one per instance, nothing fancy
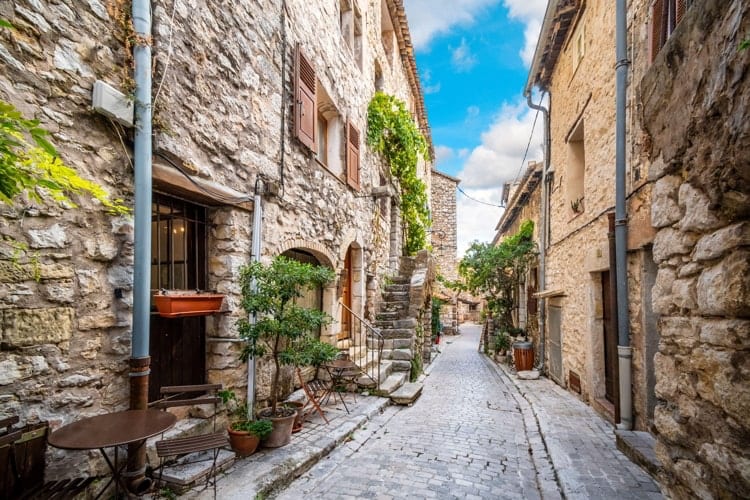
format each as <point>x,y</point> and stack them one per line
<point>392,132</point>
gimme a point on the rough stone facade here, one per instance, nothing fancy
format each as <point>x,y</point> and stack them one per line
<point>444,245</point>
<point>577,71</point>
<point>223,113</point>
<point>695,100</point>
<point>524,203</point>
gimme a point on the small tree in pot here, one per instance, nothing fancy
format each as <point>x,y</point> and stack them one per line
<point>269,294</point>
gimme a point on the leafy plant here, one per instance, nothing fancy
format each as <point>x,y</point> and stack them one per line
<point>29,161</point>
<point>391,131</point>
<point>242,417</point>
<point>436,324</point>
<point>495,271</point>
<point>269,293</point>
<point>502,342</point>
<point>309,351</point>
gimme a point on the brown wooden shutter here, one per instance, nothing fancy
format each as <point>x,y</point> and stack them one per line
<point>657,10</point>
<point>352,155</point>
<point>305,99</point>
<point>679,10</point>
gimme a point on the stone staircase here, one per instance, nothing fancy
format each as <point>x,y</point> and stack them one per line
<point>398,331</point>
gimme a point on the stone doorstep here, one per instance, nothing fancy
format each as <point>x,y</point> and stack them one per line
<point>638,446</point>
<point>407,393</point>
<point>192,469</point>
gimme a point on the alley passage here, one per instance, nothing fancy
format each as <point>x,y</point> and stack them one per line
<point>464,438</point>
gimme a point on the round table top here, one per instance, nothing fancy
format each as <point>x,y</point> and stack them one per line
<point>111,429</point>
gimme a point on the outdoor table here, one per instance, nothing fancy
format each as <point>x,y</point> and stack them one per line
<point>111,430</point>
<point>341,370</point>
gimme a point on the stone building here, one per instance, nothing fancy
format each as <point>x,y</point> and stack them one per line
<point>695,100</point>
<point>522,201</point>
<point>444,244</point>
<point>269,97</point>
<point>573,64</point>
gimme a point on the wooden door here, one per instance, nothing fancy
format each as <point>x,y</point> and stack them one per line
<point>346,297</point>
<point>178,261</point>
<point>555,343</point>
<point>610,340</point>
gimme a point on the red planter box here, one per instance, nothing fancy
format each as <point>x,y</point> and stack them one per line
<point>179,306</point>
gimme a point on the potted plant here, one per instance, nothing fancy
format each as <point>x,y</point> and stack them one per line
<point>502,344</point>
<point>244,433</point>
<point>269,293</point>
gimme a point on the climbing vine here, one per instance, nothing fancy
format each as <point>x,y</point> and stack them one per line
<point>392,132</point>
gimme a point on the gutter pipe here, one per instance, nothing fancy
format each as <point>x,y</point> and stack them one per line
<point>543,229</point>
<point>255,257</point>
<point>624,350</point>
<point>140,359</point>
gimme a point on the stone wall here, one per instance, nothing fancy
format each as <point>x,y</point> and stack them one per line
<point>223,111</point>
<point>443,236</point>
<point>582,103</point>
<point>696,100</point>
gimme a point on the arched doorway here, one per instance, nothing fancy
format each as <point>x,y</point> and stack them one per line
<point>312,298</point>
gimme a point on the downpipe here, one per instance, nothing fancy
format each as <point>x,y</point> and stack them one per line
<point>543,230</point>
<point>140,360</point>
<point>624,351</point>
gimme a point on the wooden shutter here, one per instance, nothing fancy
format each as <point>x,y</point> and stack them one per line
<point>657,11</point>
<point>305,104</point>
<point>679,10</point>
<point>352,155</point>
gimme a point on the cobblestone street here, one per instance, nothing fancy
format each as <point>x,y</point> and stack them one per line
<point>473,434</point>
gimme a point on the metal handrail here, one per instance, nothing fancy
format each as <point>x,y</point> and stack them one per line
<point>370,354</point>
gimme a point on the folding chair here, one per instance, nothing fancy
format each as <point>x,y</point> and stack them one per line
<point>185,395</point>
<point>316,391</point>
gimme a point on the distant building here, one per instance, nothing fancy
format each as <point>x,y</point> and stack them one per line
<point>444,244</point>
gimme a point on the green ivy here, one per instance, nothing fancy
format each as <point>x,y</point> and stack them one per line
<point>391,131</point>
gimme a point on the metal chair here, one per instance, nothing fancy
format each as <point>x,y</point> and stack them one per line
<point>316,391</point>
<point>191,395</point>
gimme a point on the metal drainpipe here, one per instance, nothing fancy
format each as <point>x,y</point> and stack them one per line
<point>624,351</point>
<point>256,248</point>
<point>139,355</point>
<point>542,229</point>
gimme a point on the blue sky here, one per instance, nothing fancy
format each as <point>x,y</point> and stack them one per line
<point>473,57</point>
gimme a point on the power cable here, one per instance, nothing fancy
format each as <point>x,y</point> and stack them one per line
<point>528,145</point>
<point>478,201</point>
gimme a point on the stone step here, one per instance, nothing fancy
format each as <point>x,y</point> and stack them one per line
<point>397,307</point>
<point>398,354</point>
<point>392,383</point>
<point>386,368</point>
<point>397,287</point>
<point>396,323</point>
<point>407,393</point>
<point>396,297</point>
<point>397,333</point>
<point>401,365</point>
<point>399,280</point>
<point>386,316</point>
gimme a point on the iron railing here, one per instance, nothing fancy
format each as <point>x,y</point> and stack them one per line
<point>367,359</point>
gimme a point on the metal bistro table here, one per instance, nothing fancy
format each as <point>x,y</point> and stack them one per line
<point>112,430</point>
<point>341,371</point>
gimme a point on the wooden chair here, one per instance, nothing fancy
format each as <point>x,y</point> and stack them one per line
<point>29,484</point>
<point>316,391</point>
<point>191,395</point>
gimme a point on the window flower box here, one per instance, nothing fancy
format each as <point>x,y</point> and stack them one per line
<point>183,303</point>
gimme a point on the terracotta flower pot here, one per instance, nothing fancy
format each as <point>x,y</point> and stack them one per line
<point>243,443</point>
<point>299,419</point>
<point>282,427</point>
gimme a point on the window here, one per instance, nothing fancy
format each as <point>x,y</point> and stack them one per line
<point>178,244</point>
<point>378,73</point>
<point>329,149</point>
<point>352,156</point>
<point>350,22</point>
<point>386,32</point>
<point>665,15</point>
<point>575,169</point>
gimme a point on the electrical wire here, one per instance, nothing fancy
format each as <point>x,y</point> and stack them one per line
<point>478,201</point>
<point>169,53</point>
<point>528,145</point>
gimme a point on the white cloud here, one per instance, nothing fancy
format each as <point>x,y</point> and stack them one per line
<point>443,153</point>
<point>429,18</point>
<point>472,112</point>
<point>488,166</point>
<point>462,58</point>
<point>431,89</point>
<point>531,14</point>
